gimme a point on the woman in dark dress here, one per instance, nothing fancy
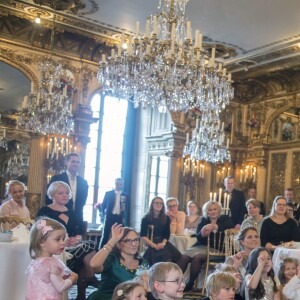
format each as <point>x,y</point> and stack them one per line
<point>278,229</point>
<point>155,232</point>
<point>82,252</point>
<point>212,221</point>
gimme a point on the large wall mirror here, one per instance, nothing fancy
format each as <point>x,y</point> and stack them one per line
<point>14,143</point>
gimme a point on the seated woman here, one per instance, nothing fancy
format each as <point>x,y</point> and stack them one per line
<point>15,207</point>
<point>177,217</point>
<point>192,218</point>
<point>254,217</point>
<point>248,239</point>
<point>117,261</point>
<point>278,229</point>
<point>82,252</point>
<point>212,221</point>
<point>155,232</point>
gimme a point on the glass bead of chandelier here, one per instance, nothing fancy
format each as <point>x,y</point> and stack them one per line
<point>166,68</point>
<point>49,110</point>
<point>207,142</point>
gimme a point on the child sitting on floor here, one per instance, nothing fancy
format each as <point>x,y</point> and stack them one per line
<point>166,281</point>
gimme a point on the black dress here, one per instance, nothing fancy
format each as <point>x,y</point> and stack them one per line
<point>73,227</point>
<point>160,232</point>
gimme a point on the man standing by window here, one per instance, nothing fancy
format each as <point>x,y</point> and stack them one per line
<point>78,185</point>
<point>113,209</point>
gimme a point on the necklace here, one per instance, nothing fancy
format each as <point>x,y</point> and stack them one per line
<point>129,269</point>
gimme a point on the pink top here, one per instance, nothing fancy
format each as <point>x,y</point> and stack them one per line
<point>13,209</point>
<point>46,279</point>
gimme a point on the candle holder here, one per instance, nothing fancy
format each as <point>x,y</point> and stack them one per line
<point>227,211</point>
<point>57,148</point>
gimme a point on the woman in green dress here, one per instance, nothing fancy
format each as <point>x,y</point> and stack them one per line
<point>117,261</point>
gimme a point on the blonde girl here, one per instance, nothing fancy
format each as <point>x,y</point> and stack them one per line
<point>48,277</point>
<point>129,290</point>
<point>289,276</point>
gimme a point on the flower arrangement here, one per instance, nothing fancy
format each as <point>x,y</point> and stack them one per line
<point>69,83</point>
<point>253,123</point>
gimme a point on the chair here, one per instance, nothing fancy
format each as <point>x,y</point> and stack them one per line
<point>91,234</point>
<point>230,243</point>
<point>7,223</point>
<point>215,254</point>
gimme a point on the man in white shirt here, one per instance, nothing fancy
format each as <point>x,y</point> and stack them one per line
<point>113,209</point>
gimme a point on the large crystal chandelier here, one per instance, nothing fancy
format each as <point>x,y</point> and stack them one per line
<point>49,110</point>
<point>166,67</point>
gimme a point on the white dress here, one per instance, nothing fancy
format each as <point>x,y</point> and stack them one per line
<point>292,289</point>
<point>268,285</point>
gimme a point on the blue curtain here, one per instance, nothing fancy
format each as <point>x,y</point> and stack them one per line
<point>128,154</point>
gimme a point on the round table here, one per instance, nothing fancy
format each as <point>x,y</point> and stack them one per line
<point>14,259</point>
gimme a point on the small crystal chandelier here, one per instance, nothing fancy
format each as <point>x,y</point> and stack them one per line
<point>207,142</point>
<point>49,110</point>
<point>165,68</point>
<point>18,163</point>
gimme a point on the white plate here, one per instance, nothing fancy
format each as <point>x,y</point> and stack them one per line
<point>6,237</point>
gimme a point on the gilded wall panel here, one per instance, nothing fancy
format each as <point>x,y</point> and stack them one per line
<point>296,175</point>
<point>278,165</point>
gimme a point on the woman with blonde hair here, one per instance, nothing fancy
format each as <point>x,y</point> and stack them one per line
<point>212,222</point>
<point>15,207</point>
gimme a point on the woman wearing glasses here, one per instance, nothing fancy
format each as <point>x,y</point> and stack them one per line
<point>155,232</point>
<point>117,261</point>
<point>278,229</point>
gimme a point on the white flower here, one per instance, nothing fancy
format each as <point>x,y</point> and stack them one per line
<point>119,292</point>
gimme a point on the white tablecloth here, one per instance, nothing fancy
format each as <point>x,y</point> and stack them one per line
<point>182,242</point>
<point>14,259</point>
<point>281,253</point>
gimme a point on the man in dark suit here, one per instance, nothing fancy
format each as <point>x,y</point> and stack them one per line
<point>237,203</point>
<point>78,185</point>
<point>289,196</point>
<point>113,209</point>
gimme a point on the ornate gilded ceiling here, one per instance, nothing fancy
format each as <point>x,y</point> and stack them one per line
<point>259,73</point>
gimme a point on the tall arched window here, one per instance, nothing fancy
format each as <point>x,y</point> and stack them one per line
<point>104,152</point>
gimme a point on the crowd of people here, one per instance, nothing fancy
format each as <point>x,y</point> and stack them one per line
<point>157,273</point>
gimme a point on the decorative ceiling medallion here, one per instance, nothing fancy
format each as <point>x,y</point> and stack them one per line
<point>36,11</point>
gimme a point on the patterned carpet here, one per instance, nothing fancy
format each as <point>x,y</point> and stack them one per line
<point>73,292</point>
<point>187,296</point>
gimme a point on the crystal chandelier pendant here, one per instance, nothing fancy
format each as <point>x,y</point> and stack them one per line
<point>166,68</point>
<point>49,111</point>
